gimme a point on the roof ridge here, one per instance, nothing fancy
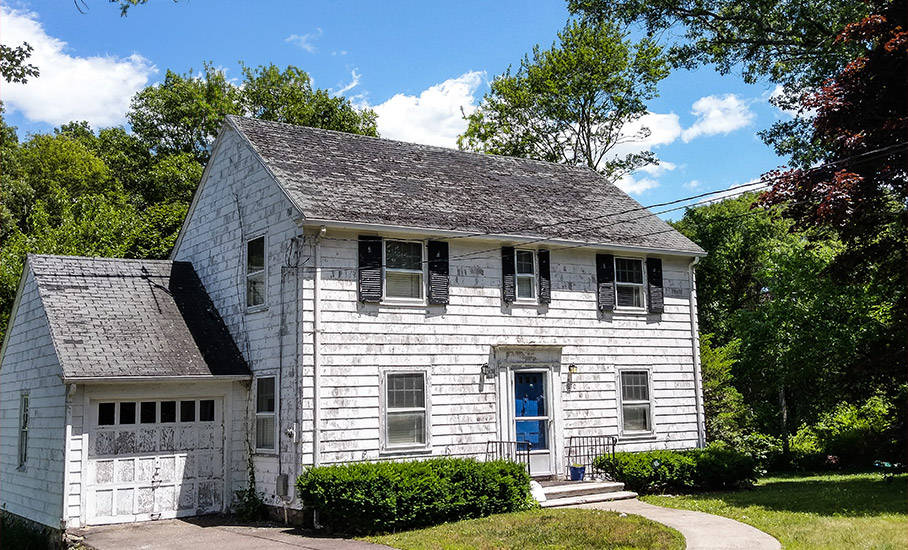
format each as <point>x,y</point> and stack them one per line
<point>99,258</point>
<point>437,148</point>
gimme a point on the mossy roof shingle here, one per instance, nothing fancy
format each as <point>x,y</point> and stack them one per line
<point>334,176</point>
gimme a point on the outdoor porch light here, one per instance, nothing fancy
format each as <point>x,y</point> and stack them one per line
<point>486,370</point>
<point>572,369</point>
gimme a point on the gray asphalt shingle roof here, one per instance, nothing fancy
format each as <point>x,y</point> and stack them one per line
<point>334,176</point>
<point>132,318</point>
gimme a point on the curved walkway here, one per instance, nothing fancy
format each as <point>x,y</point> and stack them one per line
<point>701,530</point>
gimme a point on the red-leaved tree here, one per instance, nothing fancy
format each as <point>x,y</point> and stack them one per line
<point>861,124</point>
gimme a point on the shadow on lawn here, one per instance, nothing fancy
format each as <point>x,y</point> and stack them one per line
<point>849,496</point>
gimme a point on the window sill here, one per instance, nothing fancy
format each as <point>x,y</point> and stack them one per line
<point>257,309</point>
<point>265,453</point>
<point>638,436</point>
<point>631,311</point>
<point>523,303</point>
<point>402,303</point>
<point>405,451</point>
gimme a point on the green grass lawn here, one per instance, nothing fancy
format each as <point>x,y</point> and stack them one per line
<point>563,529</point>
<point>816,512</point>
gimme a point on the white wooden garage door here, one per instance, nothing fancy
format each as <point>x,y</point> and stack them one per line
<point>151,459</point>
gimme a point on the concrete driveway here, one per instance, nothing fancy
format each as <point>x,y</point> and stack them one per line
<point>210,533</point>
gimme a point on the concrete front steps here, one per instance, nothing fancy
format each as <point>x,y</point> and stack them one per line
<point>572,493</point>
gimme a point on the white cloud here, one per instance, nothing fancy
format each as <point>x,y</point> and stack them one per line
<point>354,82</point>
<point>304,41</point>
<point>692,185</point>
<point>648,132</point>
<point>634,186</point>
<point>96,89</point>
<point>435,117</point>
<point>718,115</point>
<point>656,170</point>
<point>662,129</point>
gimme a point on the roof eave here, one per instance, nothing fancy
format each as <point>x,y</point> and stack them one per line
<point>157,378</point>
<point>497,237</point>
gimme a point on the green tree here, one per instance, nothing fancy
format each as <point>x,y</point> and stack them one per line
<point>573,102</point>
<point>269,94</point>
<point>727,417</point>
<point>55,168</point>
<point>806,339</point>
<point>792,42</point>
<point>184,113</point>
<point>739,241</point>
<point>13,67</point>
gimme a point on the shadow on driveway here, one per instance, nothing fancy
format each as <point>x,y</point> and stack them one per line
<point>211,533</point>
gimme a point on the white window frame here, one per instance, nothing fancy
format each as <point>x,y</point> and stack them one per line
<point>650,402</point>
<point>421,272</point>
<point>386,447</point>
<point>640,287</point>
<point>263,273</point>
<point>24,414</point>
<point>532,277</point>
<point>264,415</point>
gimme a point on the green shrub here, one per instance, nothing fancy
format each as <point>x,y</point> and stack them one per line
<point>848,435</point>
<point>649,470</point>
<point>853,433</point>
<point>381,497</point>
<point>716,467</point>
<point>720,467</point>
<point>765,449</point>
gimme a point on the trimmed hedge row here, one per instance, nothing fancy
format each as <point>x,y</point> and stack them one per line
<point>382,497</point>
<point>716,467</point>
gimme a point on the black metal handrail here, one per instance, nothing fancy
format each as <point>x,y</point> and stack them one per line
<point>515,451</point>
<point>583,449</point>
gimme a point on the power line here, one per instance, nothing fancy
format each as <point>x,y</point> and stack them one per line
<point>736,191</point>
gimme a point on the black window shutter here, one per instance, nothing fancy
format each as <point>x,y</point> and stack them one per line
<point>370,268</point>
<point>605,281</point>
<point>655,301</point>
<point>438,272</point>
<point>508,281</point>
<point>545,278</point>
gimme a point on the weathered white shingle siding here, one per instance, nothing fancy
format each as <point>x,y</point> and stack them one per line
<point>452,342</point>
<point>29,364</point>
<point>239,201</point>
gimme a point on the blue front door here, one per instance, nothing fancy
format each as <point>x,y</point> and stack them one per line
<point>531,411</point>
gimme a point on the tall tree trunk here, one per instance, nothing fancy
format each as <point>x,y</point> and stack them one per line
<point>783,406</point>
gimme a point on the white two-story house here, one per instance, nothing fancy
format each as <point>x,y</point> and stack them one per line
<point>367,299</point>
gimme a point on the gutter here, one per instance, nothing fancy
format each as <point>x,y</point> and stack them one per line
<point>174,379</point>
<point>695,353</point>
<point>495,237</point>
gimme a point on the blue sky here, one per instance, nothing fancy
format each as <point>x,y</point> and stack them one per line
<point>416,63</point>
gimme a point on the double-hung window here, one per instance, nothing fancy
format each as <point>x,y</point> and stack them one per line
<point>629,282</point>
<point>405,410</point>
<point>525,274</point>
<point>255,272</point>
<point>265,414</point>
<point>23,430</point>
<point>636,402</point>
<point>404,270</point>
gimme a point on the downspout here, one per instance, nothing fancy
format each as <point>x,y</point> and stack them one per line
<point>316,350</point>
<point>695,353</point>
